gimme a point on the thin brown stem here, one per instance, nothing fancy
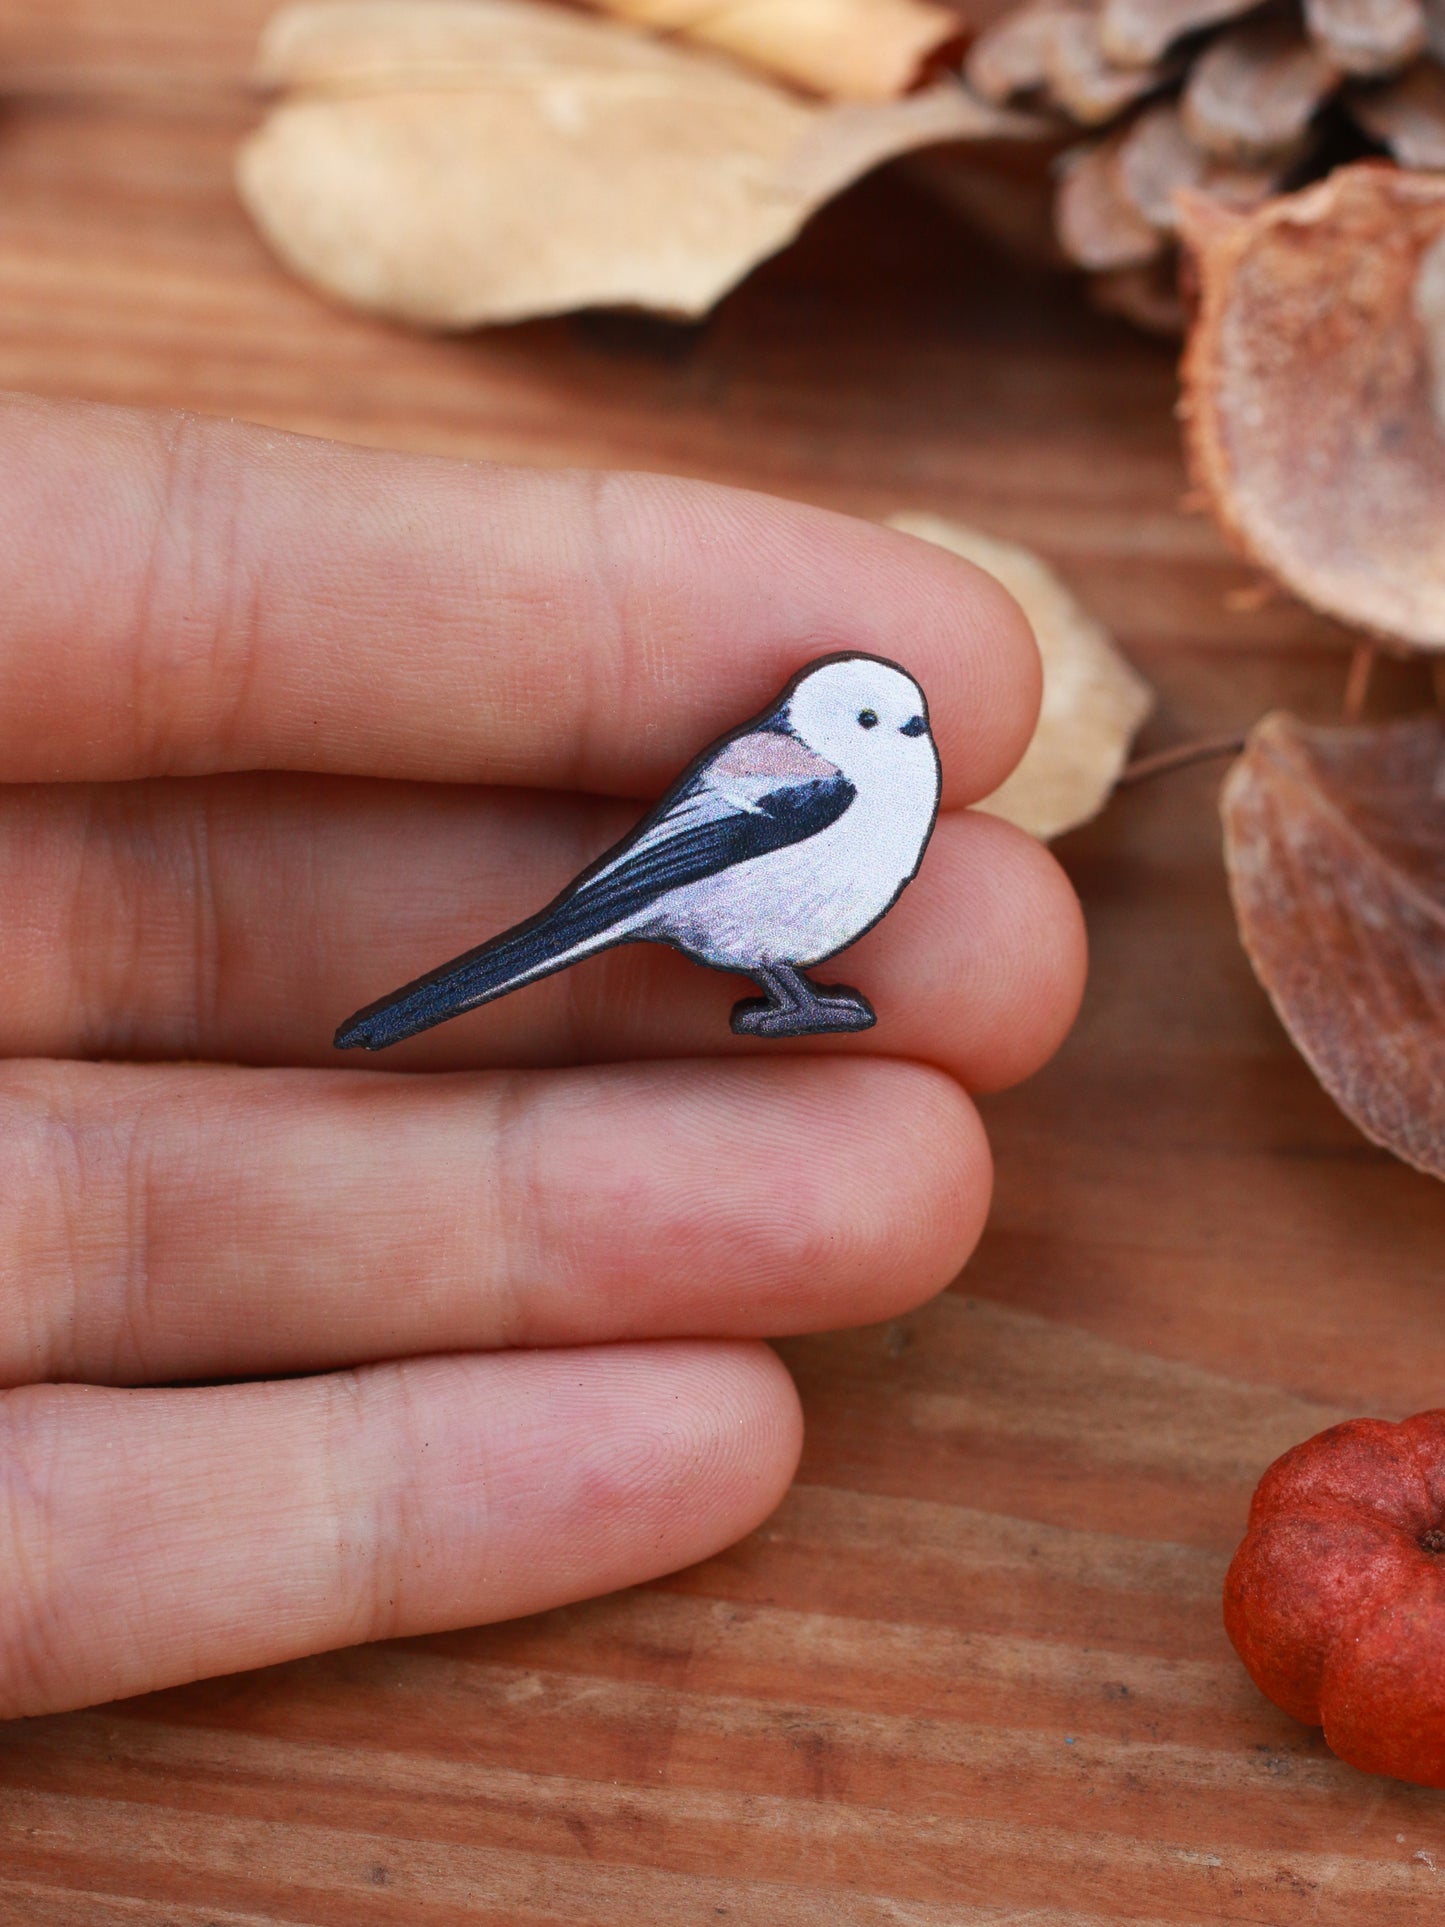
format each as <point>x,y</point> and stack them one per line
<point>1180,757</point>
<point>1357,683</point>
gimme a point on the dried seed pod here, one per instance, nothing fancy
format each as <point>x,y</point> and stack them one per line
<point>1097,224</point>
<point>1011,57</point>
<point>1157,159</point>
<point>1368,36</point>
<point>1136,33</point>
<point>1085,82</point>
<point>1430,306</point>
<point>1309,385</point>
<point>1406,115</point>
<point>1252,94</point>
<point>1148,296</point>
<point>1335,848</point>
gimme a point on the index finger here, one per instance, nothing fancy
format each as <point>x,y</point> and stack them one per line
<point>184,596</point>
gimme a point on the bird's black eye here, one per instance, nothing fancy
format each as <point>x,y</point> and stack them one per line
<point>867,718</point>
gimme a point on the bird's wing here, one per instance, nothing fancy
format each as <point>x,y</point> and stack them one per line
<point>760,792</point>
<point>757,793</point>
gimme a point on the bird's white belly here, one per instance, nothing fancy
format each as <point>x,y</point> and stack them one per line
<point>800,904</point>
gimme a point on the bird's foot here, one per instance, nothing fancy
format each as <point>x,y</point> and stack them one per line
<point>828,1007</point>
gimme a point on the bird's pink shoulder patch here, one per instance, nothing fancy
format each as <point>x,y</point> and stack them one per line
<point>765,754</point>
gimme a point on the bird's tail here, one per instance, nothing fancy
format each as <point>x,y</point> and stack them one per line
<point>560,936</point>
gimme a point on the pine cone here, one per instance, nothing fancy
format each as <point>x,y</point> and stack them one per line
<point>1193,94</point>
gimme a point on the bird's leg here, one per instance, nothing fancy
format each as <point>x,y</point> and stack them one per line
<point>795,1007</point>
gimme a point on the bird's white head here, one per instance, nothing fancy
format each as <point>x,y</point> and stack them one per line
<point>867,717</point>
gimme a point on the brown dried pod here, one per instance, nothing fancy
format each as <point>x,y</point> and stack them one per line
<point>1335,847</point>
<point>1406,115</point>
<point>1309,392</point>
<point>1084,81</point>
<point>1136,33</point>
<point>1149,296</point>
<point>1252,94</point>
<point>1157,159</point>
<point>1011,56</point>
<point>1098,226</point>
<point>1368,36</point>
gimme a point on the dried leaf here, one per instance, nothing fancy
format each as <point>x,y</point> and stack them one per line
<point>1308,390</point>
<point>452,162</point>
<point>848,49</point>
<point>1085,82</point>
<point>1335,845</point>
<point>1407,115</point>
<point>1098,225</point>
<point>1136,33</point>
<point>1368,36</point>
<point>1252,94</point>
<point>1093,700</point>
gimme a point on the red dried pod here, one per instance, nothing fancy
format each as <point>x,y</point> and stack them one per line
<point>1335,1600</point>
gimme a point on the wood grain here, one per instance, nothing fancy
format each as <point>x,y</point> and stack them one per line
<point>973,1671</point>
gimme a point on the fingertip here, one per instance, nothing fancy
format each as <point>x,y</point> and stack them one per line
<point>984,696</point>
<point>1043,962</point>
<point>707,1442</point>
<point>786,582</point>
<point>985,955</point>
<point>891,1198</point>
<point>946,1149</point>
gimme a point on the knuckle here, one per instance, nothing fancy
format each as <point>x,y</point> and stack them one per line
<point>145,925</point>
<point>199,599</point>
<point>35,1637</point>
<point>75,1230</point>
<point>369,1419</point>
<point>40,1231</point>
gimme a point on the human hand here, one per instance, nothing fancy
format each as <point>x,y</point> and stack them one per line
<point>250,690</point>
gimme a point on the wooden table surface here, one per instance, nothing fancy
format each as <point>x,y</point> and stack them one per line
<point>973,1669</point>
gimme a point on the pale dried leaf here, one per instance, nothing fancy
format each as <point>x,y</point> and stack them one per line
<point>1252,93</point>
<point>1136,33</point>
<point>1308,384</point>
<point>1097,223</point>
<point>452,162</point>
<point>1368,36</point>
<point>1093,700</point>
<point>848,49</point>
<point>1085,82</point>
<point>1406,115</point>
<point>1335,847</point>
